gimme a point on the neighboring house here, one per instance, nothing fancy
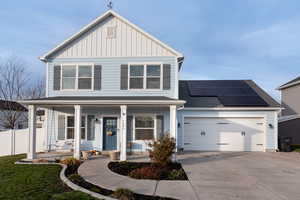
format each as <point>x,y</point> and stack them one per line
<point>289,121</point>
<point>112,86</point>
<point>12,114</point>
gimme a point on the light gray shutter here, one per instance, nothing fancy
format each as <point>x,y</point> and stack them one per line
<point>56,77</point>
<point>90,127</point>
<point>166,76</point>
<point>61,127</point>
<point>124,77</point>
<point>159,126</point>
<point>97,77</point>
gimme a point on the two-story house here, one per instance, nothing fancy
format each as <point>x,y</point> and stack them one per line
<point>289,121</point>
<point>112,86</point>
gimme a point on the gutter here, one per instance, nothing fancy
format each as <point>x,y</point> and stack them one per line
<point>232,109</point>
<point>101,102</point>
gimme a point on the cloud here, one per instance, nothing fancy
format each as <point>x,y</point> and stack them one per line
<point>278,40</point>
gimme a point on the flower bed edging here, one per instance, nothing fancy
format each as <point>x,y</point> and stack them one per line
<point>68,182</point>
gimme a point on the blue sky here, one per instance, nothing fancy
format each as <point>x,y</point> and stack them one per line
<point>221,39</point>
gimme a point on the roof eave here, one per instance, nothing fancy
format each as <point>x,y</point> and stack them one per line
<point>287,85</point>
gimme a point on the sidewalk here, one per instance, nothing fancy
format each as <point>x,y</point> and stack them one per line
<point>96,172</point>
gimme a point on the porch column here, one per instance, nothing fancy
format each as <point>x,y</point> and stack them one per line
<point>32,132</point>
<point>173,126</point>
<point>123,133</point>
<point>77,137</point>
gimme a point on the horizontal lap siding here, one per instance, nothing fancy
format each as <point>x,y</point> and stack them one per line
<point>111,77</point>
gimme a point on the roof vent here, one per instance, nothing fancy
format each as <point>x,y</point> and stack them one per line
<point>111,32</point>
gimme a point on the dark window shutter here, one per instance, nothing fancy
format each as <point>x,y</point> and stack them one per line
<point>124,77</point>
<point>97,77</point>
<point>159,126</point>
<point>61,127</point>
<point>56,78</point>
<point>166,76</point>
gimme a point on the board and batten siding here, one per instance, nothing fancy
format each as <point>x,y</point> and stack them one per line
<point>110,82</point>
<point>128,42</point>
<point>271,143</point>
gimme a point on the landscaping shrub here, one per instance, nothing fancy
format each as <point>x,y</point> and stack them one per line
<point>72,164</point>
<point>123,194</point>
<point>177,174</point>
<point>148,172</point>
<point>162,150</point>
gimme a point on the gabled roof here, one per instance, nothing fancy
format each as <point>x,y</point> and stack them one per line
<point>97,21</point>
<point>224,93</point>
<point>291,83</point>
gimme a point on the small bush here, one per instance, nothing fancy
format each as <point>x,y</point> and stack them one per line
<point>74,195</point>
<point>123,194</point>
<point>148,172</point>
<point>162,150</point>
<point>72,164</point>
<point>177,175</point>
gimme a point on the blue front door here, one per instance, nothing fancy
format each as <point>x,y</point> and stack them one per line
<point>110,126</point>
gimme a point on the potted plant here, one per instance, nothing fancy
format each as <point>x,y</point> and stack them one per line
<point>114,155</point>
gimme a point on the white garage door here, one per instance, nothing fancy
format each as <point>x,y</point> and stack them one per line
<point>224,134</point>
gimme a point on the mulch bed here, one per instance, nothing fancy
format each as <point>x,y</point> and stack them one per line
<point>146,170</point>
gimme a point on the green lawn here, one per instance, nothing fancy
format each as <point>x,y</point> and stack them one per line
<point>296,148</point>
<point>32,182</point>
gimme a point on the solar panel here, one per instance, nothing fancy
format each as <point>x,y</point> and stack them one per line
<point>242,101</point>
<point>229,93</point>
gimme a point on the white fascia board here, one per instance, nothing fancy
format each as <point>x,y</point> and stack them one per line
<point>233,108</point>
<point>97,20</point>
<point>288,85</point>
<point>288,118</point>
<point>101,102</point>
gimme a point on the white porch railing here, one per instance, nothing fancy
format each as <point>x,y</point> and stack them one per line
<point>14,142</point>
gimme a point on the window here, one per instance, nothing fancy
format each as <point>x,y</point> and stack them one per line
<point>70,127</point>
<point>68,77</point>
<point>111,32</point>
<point>153,76</point>
<point>84,77</point>
<point>77,77</point>
<point>146,76</point>
<point>136,77</point>
<point>144,128</point>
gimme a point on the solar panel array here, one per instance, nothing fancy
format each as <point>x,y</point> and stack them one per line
<point>229,93</point>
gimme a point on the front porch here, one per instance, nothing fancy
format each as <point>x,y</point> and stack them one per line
<point>126,126</point>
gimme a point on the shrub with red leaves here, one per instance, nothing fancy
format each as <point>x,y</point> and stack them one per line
<point>148,172</point>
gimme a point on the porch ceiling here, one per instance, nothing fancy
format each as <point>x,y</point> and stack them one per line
<point>115,100</point>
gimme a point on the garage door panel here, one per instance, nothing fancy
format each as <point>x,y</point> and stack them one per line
<point>224,134</point>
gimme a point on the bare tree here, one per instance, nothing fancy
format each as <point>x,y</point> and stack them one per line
<point>15,85</point>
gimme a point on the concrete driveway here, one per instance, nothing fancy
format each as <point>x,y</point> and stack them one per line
<point>243,175</point>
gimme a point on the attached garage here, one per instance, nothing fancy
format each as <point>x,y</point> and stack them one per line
<point>226,116</point>
<point>224,134</point>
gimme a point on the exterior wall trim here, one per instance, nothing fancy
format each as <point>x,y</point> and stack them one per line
<point>234,108</point>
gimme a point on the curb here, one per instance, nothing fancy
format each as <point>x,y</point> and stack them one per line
<point>68,182</point>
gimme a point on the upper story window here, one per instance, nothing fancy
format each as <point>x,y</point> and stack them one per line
<point>77,77</point>
<point>147,76</point>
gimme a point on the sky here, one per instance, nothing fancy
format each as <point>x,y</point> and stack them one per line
<point>220,39</point>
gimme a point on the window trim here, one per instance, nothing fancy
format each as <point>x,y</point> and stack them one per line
<point>77,65</point>
<point>66,127</point>
<point>145,76</point>
<point>154,116</point>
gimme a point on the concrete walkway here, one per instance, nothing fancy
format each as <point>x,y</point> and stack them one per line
<point>214,176</point>
<point>96,172</point>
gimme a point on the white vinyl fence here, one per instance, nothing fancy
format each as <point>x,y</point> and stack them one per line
<point>14,142</point>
